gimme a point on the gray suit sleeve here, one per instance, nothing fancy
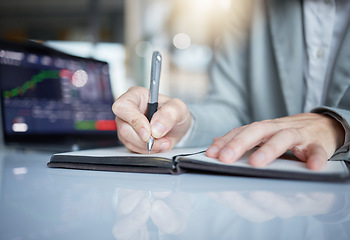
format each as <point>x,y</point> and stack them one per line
<point>227,104</point>
<point>342,116</point>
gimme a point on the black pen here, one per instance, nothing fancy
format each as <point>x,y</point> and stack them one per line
<point>154,91</point>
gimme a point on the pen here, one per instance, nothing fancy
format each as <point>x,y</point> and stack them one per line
<point>154,91</point>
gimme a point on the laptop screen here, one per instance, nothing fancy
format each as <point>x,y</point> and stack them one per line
<point>51,97</point>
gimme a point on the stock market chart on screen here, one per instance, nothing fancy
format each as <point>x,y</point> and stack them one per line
<point>47,92</point>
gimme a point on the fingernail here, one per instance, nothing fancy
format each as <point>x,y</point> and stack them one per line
<point>227,155</point>
<point>158,129</point>
<point>315,165</point>
<point>143,134</point>
<point>212,151</point>
<point>259,159</point>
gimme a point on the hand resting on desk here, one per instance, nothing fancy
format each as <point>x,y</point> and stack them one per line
<point>313,138</point>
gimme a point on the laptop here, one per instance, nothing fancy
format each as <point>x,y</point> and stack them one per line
<point>53,100</point>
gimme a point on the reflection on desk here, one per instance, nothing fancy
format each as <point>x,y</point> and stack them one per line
<point>42,203</point>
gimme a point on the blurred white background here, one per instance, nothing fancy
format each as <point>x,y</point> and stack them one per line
<point>124,33</point>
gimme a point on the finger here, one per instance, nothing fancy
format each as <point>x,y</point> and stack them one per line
<point>316,157</point>
<point>128,200</point>
<point>246,208</point>
<point>165,218</point>
<point>132,223</point>
<point>274,203</point>
<point>160,145</point>
<point>172,113</point>
<point>219,143</point>
<point>130,139</point>
<point>131,107</point>
<point>246,139</point>
<point>314,203</point>
<point>300,152</point>
<point>161,194</point>
<point>275,146</point>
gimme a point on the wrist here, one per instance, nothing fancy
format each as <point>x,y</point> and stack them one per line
<point>337,129</point>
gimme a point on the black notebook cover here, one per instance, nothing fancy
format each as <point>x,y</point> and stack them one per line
<point>180,161</point>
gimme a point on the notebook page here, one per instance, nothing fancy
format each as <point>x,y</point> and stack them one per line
<point>280,164</point>
<point>124,152</point>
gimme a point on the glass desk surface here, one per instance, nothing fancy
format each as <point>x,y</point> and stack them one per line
<point>38,202</point>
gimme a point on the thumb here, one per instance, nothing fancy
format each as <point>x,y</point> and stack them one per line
<point>317,157</point>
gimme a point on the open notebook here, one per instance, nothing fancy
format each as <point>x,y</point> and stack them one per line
<point>184,160</point>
